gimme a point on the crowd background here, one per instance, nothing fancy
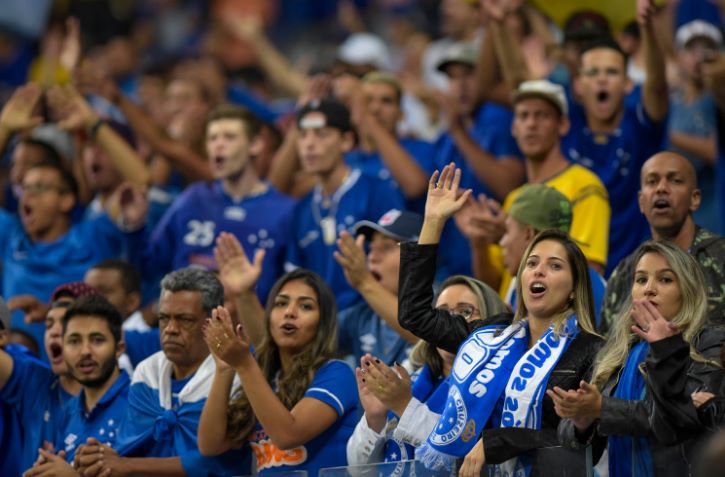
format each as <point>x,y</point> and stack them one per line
<point>143,141</point>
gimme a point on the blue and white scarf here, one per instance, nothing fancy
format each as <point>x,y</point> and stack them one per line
<point>494,363</point>
<point>631,456</point>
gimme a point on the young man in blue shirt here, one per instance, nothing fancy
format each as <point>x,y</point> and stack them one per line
<point>342,197</point>
<point>37,392</point>
<point>372,325</point>
<point>92,344</point>
<point>43,248</point>
<point>237,201</point>
<point>10,426</point>
<point>168,392</point>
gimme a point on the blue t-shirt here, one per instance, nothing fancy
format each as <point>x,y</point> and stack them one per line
<point>141,344</point>
<point>617,159</point>
<point>317,224</point>
<point>187,232</point>
<point>334,384</point>
<point>37,397</point>
<point>11,440</point>
<point>102,423</point>
<point>360,330</point>
<point>422,152</point>
<point>37,268</point>
<point>492,132</point>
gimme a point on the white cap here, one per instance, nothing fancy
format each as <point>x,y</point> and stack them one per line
<point>364,49</point>
<point>695,29</point>
<point>544,89</point>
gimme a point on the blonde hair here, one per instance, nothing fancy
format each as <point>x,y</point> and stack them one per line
<point>582,302</point>
<point>690,318</point>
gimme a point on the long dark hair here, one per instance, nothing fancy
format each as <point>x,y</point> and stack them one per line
<point>291,385</point>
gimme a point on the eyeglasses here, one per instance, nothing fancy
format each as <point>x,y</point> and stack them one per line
<point>463,309</point>
<point>37,189</point>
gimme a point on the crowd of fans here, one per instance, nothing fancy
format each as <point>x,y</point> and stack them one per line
<point>268,236</point>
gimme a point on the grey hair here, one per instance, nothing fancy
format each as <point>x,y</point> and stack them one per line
<point>196,279</point>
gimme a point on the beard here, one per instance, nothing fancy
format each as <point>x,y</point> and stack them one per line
<point>107,369</point>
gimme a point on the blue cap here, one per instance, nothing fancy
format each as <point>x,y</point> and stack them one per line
<point>397,224</point>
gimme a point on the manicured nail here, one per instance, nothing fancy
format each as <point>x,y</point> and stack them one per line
<point>377,360</point>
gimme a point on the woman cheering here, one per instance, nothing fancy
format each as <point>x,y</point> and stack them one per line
<point>297,406</point>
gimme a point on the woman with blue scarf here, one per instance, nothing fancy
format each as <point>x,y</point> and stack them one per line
<point>666,309</point>
<point>400,412</point>
<point>496,410</point>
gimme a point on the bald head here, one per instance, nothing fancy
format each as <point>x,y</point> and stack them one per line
<point>670,162</point>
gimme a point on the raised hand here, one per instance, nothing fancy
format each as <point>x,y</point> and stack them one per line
<point>132,205</point>
<point>246,27</point>
<point>19,111</point>
<point>651,325</point>
<point>645,11</point>
<point>236,272</point>
<point>481,220</point>
<point>392,387</point>
<point>474,461</point>
<point>34,309</point>
<point>351,257</point>
<point>73,113</point>
<point>226,342</point>
<point>70,51</point>
<point>318,87</point>
<point>444,199</point>
<point>376,413</point>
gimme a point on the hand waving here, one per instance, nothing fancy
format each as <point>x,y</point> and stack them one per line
<point>236,272</point>
<point>228,343</point>
<point>19,112</point>
<point>351,257</point>
<point>444,199</point>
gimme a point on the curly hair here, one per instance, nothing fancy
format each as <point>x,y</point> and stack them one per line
<point>290,386</point>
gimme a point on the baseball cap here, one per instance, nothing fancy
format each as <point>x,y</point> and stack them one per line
<point>364,49</point>
<point>544,89</point>
<point>698,29</point>
<point>73,290</point>
<point>397,224</point>
<point>459,53</point>
<point>542,207</point>
<point>4,315</point>
<point>586,25</point>
<point>336,115</point>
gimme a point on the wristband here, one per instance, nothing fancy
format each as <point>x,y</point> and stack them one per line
<point>93,130</point>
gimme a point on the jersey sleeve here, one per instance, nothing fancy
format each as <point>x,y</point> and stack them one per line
<point>21,391</point>
<point>335,385</point>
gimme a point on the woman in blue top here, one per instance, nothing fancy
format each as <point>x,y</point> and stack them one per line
<point>296,406</point>
<point>400,415</point>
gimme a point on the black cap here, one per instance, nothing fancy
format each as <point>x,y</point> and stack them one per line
<point>336,114</point>
<point>397,224</point>
<point>586,25</point>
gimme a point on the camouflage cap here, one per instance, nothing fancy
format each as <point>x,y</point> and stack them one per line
<point>542,207</point>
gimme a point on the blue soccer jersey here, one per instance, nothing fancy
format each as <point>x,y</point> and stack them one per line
<point>102,423</point>
<point>492,132</point>
<point>35,394</point>
<point>318,221</point>
<point>617,159</point>
<point>422,152</point>
<point>37,268</point>
<point>187,232</point>
<point>334,384</point>
<point>360,330</point>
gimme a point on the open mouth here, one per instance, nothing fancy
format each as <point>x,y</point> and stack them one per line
<point>537,288</point>
<point>86,367</point>
<point>218,161</point>
<point>56,353</point>
<point>661,205</point>
<point>288,328</point>
<point>96,168</point>
<point>602,96</point>
<point>376,275</point>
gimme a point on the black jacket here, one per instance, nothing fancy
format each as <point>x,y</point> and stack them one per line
<point>666,415</point>
<point>417,315</point>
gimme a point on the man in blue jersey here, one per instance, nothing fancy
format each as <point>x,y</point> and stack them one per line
<point>539,207</point>
<point>376,112</point>
<point>479,141</point>
<point>168,392</point>
<point>11,446</point>
<point>372,325</point>
<point>342,197</point>
<point>92,344</point>
<point>36,392</point>
<point>43,248</point>
<point>612,137</point>
<point>237,201</point>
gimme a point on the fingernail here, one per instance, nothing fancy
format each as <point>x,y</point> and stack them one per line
<point>377,360</point>
<point>363,379</point>
<point>367,363</point>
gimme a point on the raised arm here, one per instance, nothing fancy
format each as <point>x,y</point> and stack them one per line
<point>239,277</point>
<point>655,96</point>
<point>19,113</point>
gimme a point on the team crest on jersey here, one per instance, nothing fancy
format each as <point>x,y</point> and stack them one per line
<point>453,421</point>
<point>269,456</point>
<point>235,213</point>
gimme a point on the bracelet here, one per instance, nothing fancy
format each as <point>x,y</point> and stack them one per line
<point>93,130</point>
